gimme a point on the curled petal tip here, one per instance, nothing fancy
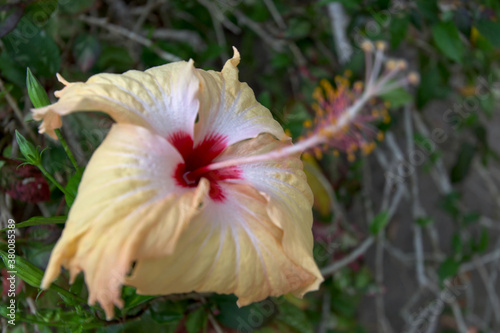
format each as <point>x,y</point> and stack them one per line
<point>62,80</point>
<point>235,60</point>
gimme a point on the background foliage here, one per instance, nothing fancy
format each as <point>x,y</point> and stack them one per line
<point>407,237</point>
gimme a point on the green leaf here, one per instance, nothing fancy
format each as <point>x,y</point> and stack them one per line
<point>72,187</point>
<point>77,285</point>
<point>379,222</point>
<point>450,204</point>
<point>40,220</point>
<point>457,244</point>
<point>264,98</point>
<point>28,150</point>
<point>11,70</point>
<point>166,311</point>
<point>447,39</point>
<point>448,268</point>
<point>433,84</point>
<point>196,321</point>
<point>463,162</point>
<point>398,30</point>
<point>132,299</point>
<point>281,60</point>
<point>246,318</point>
<point>294,318</point>
<point>28,272</point>
<point>33,275</point>
<point>30,46</point>
<point>424,221</point>
<point>40,11</point>
<point>37,94</point>
<point>397,97</point>
<point>490,30</point>
<point>298,28</point>
<point>484,240</point>
<point>76,6</point>
<point>428,9</point>
<point>5,312</point>
<point>471,218</point>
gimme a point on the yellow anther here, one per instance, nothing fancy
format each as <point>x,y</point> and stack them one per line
<point>381,45</point>
<point>414,78</point>
<point>402,64</point>
<point>351,157</point>
<point>358,86</point>
<point>288,132</point>
<point>365,148</point>
<point>318,94</point>
<point>387,119</point>
<point>391,64</point>
<point>387,104</point>
<point>327,86</point>
<point>367,46</point>
<point>336,153</point>
<point>306,156</point>
<point>380,136</point>
<point>375,113</point>
<point>318,153</point>
<point>348,73</point>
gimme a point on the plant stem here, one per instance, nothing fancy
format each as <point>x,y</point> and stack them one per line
<point>66,148</point>
<point>52,179</point>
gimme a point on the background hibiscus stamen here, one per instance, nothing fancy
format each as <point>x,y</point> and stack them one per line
<point>344,114</point>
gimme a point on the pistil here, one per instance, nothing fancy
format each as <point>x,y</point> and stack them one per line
<point>328,132</point>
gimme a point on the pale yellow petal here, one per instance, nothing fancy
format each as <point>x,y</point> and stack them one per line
<point>128,208</point>
<point>229,109</point>
<point>162,99</point>
<point>290,199</point>
<point>231,247</point>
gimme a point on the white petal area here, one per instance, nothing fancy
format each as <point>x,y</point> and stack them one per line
<point>231,247</point>
<point>290,198</point>
<point>162,99</point>
<point>128,207</point>
<point>229,108</point>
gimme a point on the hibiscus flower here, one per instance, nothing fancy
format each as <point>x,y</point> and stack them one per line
<point>151,213</point>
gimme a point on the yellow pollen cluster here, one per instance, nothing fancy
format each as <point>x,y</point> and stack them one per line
<point>329,101</point>
<point>318,153</point>
<point>367,148</point>
<point>327,87</point>
<point>359,85</point>
<point>380,136</point>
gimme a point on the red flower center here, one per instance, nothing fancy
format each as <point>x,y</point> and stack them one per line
<point>189,173</point>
